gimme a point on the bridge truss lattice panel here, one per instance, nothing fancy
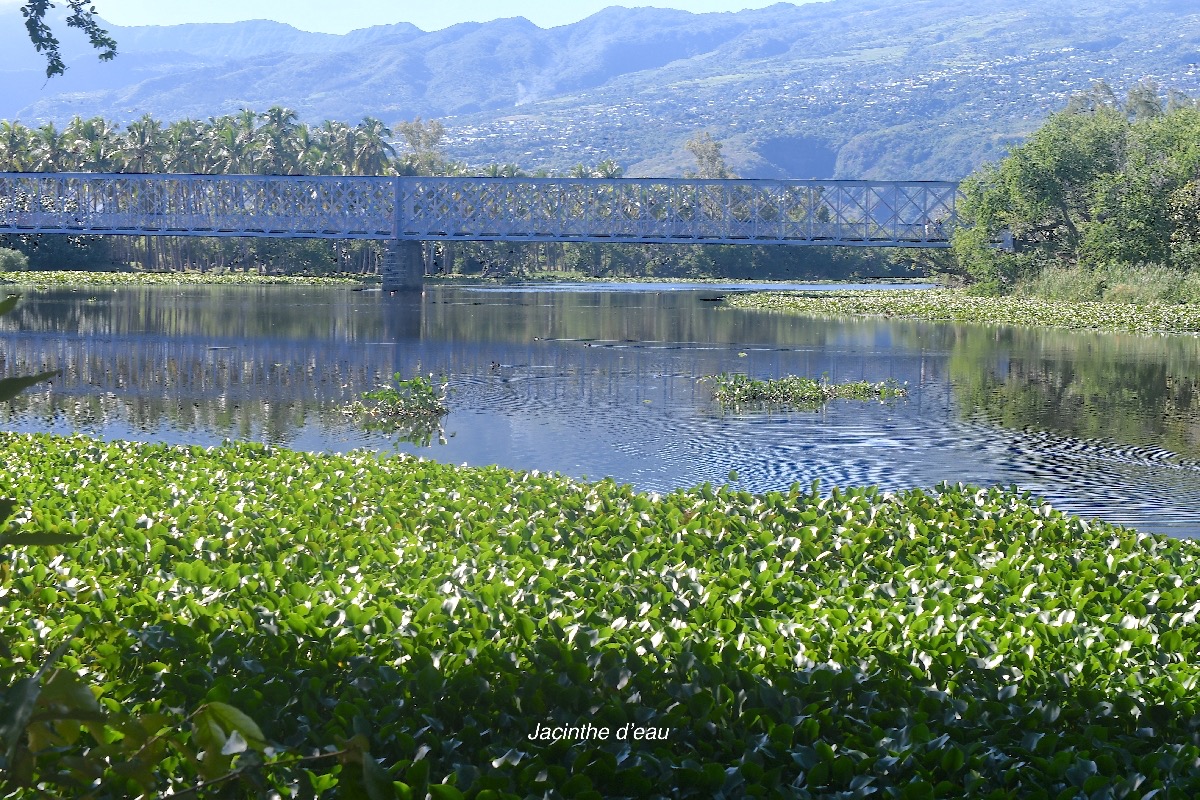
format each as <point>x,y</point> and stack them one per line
<point>879,213</point>
<point>678,211</point>
<point>198,205</point>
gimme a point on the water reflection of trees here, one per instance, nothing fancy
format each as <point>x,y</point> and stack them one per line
<point>1133,390</point>
<point>221,312</point>
<point>262,363</point>
<point>217,313</point>
<point>269,361</point>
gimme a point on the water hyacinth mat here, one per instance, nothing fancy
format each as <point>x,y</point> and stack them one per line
<point>946,642</point>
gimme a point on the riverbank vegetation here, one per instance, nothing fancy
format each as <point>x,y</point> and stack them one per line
<point>1102,201</point>
<point>430,618</point>
<point>955,305</point>
<point>731,389</point>
<point>48,278</point>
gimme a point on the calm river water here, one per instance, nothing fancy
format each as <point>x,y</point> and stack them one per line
<point>604,381</point>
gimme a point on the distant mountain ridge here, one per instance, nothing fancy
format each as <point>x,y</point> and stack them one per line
<point>845,88</point>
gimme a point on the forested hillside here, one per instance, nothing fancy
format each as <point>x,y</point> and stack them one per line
<point>846,88</point>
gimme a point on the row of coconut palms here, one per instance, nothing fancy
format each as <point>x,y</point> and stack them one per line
<point>272,142</point>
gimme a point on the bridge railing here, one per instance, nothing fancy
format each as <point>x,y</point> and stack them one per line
<point>198,205</point>
<point>677,210</point>
<point>658,210</point>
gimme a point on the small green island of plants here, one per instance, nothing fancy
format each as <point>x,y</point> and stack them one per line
<point>733,389</point>
<point>413,406</point>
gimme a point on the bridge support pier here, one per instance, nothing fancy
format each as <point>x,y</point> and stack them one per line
<point>403,266</point>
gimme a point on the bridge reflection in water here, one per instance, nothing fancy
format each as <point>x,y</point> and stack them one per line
<point>215,362</point>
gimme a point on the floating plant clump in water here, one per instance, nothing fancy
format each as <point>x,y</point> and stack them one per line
<point>732,389</point>
<point>412,407</point>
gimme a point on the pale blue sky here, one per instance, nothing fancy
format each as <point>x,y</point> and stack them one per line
<point>340,16</point>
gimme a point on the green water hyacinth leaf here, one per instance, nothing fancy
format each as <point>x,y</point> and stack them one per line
<point>8,507</point>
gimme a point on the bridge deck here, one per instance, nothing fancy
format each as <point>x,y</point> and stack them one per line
<point>638,210</point>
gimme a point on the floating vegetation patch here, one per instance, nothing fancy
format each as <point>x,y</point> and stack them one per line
<point>412,407</point>
<point>959,306</point>
<point>82,278</point>
<point>732,389</point>
<point>494,634</point>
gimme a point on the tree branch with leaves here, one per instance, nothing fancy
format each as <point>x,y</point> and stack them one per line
<point>81,16</point>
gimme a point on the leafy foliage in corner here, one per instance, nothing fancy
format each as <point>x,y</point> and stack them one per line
<point>956,642</point>
<point>82,16</point>
<point>796,391</point>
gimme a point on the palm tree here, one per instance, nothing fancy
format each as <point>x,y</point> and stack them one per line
<point>503,171</point>
<point>330,144</point>
<point>95,144</point>
<point>144,145</point>
<point>372,154</point>
<point>186,147</point>
<point>231,145</point>
<point>278,142</point>
<point>16,153</point>
<point>608,169</point>
<point>51,149</point>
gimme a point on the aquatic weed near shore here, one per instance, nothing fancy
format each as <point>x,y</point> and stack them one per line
<point>952,305</point>
<point>82,278</point>
<point>950,642</point>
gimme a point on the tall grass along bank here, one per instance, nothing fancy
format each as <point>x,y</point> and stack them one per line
<point>950,305</point>
<point>482,629</point>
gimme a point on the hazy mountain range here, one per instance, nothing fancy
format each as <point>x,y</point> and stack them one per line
<point>845,88</point>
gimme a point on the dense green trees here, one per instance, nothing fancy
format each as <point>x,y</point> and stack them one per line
<point>1101,186</point>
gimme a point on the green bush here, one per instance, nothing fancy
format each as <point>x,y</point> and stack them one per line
<point>13,260</point>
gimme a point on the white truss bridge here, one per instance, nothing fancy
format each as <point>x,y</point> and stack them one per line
<point>635,210</point>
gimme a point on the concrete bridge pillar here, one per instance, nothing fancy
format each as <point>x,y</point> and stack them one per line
<point>403,266</point>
